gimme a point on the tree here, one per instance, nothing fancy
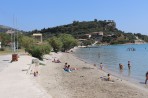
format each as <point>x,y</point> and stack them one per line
<point>95,20</point>
<point>88,42</point>
<point>56,44</point>
<point>5,39</point>
<point>68,41</point>
<point>26,41</point>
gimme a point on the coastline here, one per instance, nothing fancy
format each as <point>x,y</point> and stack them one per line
<point>86,82</point>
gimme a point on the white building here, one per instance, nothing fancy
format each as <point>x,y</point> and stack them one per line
<point>38,37</point>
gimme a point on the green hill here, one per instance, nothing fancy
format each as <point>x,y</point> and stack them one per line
<point>4,28</point>
<point>111,34</point>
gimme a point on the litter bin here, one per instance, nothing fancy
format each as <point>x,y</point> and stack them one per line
<point>14,57</point>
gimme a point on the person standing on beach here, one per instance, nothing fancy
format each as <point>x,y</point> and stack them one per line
<point>101,66</point>
<point>129,65</point>
<point>146,77</point>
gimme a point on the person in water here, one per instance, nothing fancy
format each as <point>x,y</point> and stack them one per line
<point>129,65</point>
<point>120,66</point>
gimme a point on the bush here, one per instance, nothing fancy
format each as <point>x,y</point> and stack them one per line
<point>39,50</point>
<point>2,49</point>
<point>88,42</point>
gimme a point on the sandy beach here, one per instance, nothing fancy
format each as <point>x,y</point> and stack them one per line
<point>87,81</point>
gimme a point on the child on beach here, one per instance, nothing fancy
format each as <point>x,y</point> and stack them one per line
<point>35,63</point>
<point>108,77</point>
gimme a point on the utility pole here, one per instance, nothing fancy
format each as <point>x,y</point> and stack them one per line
<point>14,48</point>
<point>16,37</point>
<point>14,55</point>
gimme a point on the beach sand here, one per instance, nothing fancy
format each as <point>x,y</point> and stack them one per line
<point>87,81</point>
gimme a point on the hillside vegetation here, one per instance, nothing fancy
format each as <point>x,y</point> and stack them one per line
<point>111,34</point>
<point>4,28</point>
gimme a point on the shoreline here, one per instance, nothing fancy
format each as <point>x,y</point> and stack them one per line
<point>125,76</point>
<point>121,76</point>
<point>129,80</point>
<point>86,82</point>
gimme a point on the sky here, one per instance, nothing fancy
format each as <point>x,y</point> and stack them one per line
<point>27,15</point>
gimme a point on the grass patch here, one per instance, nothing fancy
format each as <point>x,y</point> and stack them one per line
<point>9,51</point>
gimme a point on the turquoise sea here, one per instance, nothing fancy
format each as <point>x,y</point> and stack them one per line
<point>112,55</point>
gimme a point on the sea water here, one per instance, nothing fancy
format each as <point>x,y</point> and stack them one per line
<point>112,55</point>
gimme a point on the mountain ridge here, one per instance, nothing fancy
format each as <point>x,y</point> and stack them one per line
<point>111,34</point>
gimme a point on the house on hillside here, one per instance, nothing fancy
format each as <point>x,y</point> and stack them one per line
<point>38,37</point>
<point>10,32</point>
<point>97,35</point>
<point>138,41</point>
<point>88,36</point>
<point>85,36</point>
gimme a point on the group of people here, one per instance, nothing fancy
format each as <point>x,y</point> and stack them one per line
<point>68,68</point>
<point>121,66</point>
<point>131,49</point>
<point>129,67</point>
<point>56,61</point>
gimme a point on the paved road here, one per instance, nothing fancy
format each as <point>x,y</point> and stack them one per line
<point>4,61</point>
